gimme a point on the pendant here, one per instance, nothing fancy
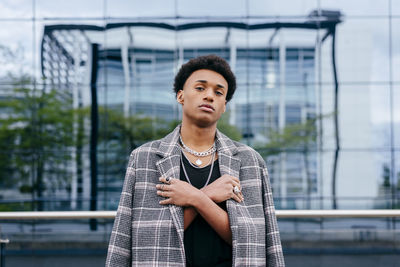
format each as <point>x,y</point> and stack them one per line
<point>198,162</point>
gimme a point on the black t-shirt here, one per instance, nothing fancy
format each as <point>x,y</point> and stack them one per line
<point>203,246</point>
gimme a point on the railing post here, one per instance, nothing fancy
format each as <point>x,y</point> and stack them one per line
<point>3,243</point>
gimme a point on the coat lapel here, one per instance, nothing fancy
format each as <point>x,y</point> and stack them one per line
<point>169,166</point>
<point>228,161</point>
<point>229,164</point>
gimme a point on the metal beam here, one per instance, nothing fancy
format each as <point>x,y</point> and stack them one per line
<point>281,214</point>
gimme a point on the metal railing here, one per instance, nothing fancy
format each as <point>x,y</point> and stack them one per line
<point>60,215</point>
<point>281,214</point>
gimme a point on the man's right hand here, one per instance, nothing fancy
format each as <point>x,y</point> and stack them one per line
<point>222,189</point>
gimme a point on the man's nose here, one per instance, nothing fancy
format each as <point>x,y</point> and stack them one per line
<point>208,94</point>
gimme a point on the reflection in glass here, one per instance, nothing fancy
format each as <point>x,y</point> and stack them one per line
<point>275,108</point>
<point>322,111</point>
<point>286,106</point>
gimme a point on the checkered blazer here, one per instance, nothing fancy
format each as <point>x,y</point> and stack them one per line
<point>146,233</point>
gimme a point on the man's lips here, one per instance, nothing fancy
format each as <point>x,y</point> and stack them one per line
<point>206,107</point>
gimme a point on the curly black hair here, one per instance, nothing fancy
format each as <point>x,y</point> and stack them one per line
<point>209,62</point>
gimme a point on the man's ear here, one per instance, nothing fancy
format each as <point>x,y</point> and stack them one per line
<point>226,102</point>
<point>179,97</point>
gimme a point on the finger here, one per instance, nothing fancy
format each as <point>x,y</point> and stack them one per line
<point>237,184</point>
<point>164,180</point>
<point>235,179</point>
<point>234,187</point>
<point>239,194</point>
<point>166,201</point>
<point>166,187</point>
<point>160,186</point>
<point>163,187</point>
<point>164,193</point>
<point>236,198</point>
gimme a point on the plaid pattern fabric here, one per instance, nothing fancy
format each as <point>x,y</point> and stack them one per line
<point>146,233</point>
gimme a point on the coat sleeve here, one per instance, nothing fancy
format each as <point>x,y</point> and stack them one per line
<point>119,248</point>
<point>273,246</point>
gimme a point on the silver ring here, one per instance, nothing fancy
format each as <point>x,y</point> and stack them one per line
<point>236,189</point>
<point>168,179</point>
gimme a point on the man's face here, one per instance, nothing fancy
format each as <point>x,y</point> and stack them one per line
<point>203,97</point>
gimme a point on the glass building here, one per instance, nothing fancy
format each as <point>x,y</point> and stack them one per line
<point>134,75</point>
<point>82,84</point>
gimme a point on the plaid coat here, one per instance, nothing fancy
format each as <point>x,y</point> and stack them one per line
<point>146,233</point>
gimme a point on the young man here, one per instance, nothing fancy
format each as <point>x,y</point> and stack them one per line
<point>195,197</point>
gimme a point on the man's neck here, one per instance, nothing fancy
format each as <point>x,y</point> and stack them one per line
<point>198,138</point>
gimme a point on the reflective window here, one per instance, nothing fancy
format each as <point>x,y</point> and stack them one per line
<point>83,83</point>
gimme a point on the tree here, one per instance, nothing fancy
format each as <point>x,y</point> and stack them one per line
<point>36,133</point>
<point>41,135</point>
<point>386,177</point>
<point>122,134</point>
<point>299,137</point>
<point>229,130</point>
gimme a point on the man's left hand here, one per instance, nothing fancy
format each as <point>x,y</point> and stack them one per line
<point>177,192</point>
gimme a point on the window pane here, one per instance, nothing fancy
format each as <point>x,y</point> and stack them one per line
<point>222,8</point>
<point>138,8</point>
<point>396,117</point>
<point>281,8</point>
<point>395,50</point>
<point>16,55</point>
<point>361,51</point>
<point>16,9</point>
<point>358,7</point>
<point>68,9</point>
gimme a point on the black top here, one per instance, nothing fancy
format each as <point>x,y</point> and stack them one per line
<point>203,246</point>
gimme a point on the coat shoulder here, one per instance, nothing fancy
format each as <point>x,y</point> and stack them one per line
<point>145,151</point>
<point>147,147</point>
<point>248,154</point>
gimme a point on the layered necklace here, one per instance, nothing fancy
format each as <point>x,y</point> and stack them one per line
<point>187,176</point>
<point>205,153</point>
<point>198,162</point>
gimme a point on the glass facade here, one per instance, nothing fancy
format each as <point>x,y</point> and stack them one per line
<point>84,83</point>
<point>276,96</point>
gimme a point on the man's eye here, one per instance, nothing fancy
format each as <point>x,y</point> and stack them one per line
<point>219,93</point>
<point>199,88</point>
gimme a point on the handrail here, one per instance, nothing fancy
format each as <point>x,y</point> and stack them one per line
<point>55,215</point>
<point>337,213</point>
<point>281,214</point>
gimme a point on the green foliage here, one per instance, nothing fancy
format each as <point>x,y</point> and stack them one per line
<point>116,130</point>
<point>398,181</point>
<point>299,137</point>
<point>24,206</point>
<point>41,135</point>
<point>386,176</point>
<point>118,135</point>
<point>35,132</point>
<point>229,130</point>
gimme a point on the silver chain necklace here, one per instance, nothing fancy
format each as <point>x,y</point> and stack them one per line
<point>209,175</point>
<point>194,165</point>
<point>206,153</point>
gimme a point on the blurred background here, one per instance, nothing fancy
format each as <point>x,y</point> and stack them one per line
<point>83,83</point>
